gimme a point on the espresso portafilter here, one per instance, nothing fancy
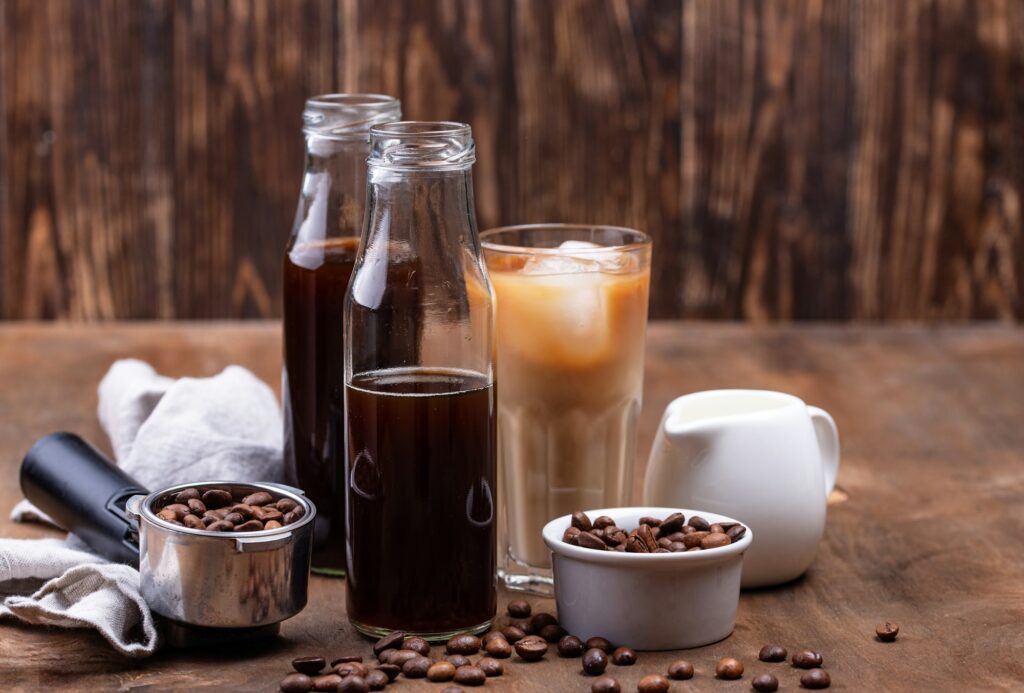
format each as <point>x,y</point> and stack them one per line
<point>206,586</point>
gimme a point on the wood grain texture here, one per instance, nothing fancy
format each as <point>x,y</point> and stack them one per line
<point>822,159</point>
<point>930,533</point>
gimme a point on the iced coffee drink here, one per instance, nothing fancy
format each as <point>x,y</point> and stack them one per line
<point>571,314</point>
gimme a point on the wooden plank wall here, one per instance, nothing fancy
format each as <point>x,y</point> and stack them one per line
<point>793,159</point>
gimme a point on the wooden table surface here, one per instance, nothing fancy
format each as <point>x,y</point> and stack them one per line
<point>927,527</point>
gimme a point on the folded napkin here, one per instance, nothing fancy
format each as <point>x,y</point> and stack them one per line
<point>163,432</point>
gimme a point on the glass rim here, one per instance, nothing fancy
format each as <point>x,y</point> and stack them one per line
<point>644,241</point>
<point>420,128</point>
<point>352,100</point>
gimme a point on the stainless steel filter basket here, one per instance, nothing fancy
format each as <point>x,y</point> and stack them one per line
<point>223,579</point>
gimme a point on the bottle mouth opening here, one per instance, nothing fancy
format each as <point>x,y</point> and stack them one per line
<point>348,116</point>
<point>414,144</point>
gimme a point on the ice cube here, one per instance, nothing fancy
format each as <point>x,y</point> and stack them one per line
<point>593,259</point>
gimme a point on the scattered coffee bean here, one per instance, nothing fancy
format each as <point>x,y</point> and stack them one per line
<point>463,644</point>
<point>441,671</point>
<point>581,522</point>
<point>519,608</point>
<point>699,523</point>
<point>390,670</point>
<point>601,644</point>
<point>310,666</point>
<point>513,634</point>
<point>623,657</point>
<point>216,498</point>
<point>595,661</point>
<point>400,657</point>
<point>377,680</point>
<point>491,667</point>
<point>458,660</point>
<point>552,632</point>
<point>470,675</point>
<point>541,620</point>
<point>353,684</point>
<point>498,647</point>
<point>806,659</point>
<point>352,669</point>
<point>652,683</point>
<point>390,641</point>
<point>417,645</point>
<point>729,668</point>
<point>490,635</point>
<point>531,648</point>
<point>570,646</point>
<point>887,631</point>
<point>296,683</point>
<point>815,678</point>
<point>680,670</point>
<point>765,682</point>
<point>345,659</point>
<point>606,684</point>
<point>773,653</point>
<point>416,667</point>
<point>327,682</point>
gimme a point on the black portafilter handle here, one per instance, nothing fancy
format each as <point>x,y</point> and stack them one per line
<point>85,493</point>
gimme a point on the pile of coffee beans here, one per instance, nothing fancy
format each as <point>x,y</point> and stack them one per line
<point>219,509</point>
<point>672,534</point>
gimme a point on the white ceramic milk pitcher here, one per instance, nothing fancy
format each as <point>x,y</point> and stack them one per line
<point>765,458</point>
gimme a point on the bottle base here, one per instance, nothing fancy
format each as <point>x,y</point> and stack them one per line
<point>530,583</point>
<point>431,637</point>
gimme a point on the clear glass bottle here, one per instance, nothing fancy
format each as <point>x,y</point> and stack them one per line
<point>420,394</point>
<point>317,265</point>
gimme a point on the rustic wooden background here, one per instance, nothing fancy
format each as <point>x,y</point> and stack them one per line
<point>793,159</point>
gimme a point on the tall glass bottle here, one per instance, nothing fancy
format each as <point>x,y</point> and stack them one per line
<point>317,265</point>
<point>419,374</point>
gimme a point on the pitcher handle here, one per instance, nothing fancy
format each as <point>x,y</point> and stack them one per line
<point>828,441</point>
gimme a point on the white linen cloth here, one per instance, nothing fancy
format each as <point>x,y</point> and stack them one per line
<point>163,432</point>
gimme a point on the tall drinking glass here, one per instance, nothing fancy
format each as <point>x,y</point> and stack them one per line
<point>571,313</point>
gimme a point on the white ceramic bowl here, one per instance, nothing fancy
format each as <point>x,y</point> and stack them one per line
<point>663,601</point>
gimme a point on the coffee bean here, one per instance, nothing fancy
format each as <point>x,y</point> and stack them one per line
<point>650,521</point>
<point>716,529</point>
<point>729,668</point>
<point>390,670</point>
<point>807,659</point>
<point>220,526</point>
<point>676,546</point>
<point>458,660</point>
<point>352,669</point>
<point>170,516</point>
<point>552,632</point>
<point>570,646</point>
<point>246,511</point>
<point>541,620</point>
<point>715,540</point>
<point>815,678</point>
<point>635,544</point>
<point>773,653</point>
<point>327,682</point>
<point>296,683</point>
<point>416,667</point>
<point>571,535</point>
<point>390,641</point>
<point>272,524</point>
<point>644,532</point>
<point>265,514</point>
<point>285,504</point>
<point>680,670</point>
<point>258,498</point>
<point>615,538</point>
<point>290,517</point>
<point>186,494</point>
<point>193,522</point>
<point>400,657</point>
<point>491,635</point>
<point>676,536</point>
<point>623,657</point>
<point>310,666</point>
<point>353,684</point>
<point>693,539</point>
<point>601,644</point>
<point>470,675</point>
<point>491,667</point>
<point>250,526</point>
<point>699,523</point>
<point>595,661</point>
<point>672,523</point>
<point>736,532</point>
<point>216,498</point>
<point>441,671</point>
<point>519,608</point>
<point>377,680</point>
<point>196,506</point>
<point>765,682</point>
<point>603,521</point>
<point>887,631</point>
<point>463,644</point>
<point>581,521</point>
<point>664,543</point>
<point>498,648</point>
<point>531,648</point>
<point>589,541</point>
<point>652,683</point>
<point>346,659</point>
<point>417,645</point>
<point>513,634</point>
<point>234,518</point>
<point>606,684</point>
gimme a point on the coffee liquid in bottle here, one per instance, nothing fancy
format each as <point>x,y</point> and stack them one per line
<point>420,444</point>
<point>317,267</point>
